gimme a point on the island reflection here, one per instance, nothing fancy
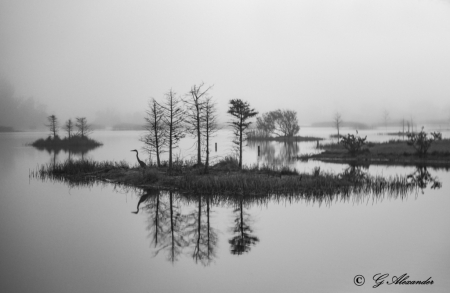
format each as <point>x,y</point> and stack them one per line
<point>180,223</point>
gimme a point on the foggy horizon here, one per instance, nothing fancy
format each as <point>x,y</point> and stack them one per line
<point>314,57</point>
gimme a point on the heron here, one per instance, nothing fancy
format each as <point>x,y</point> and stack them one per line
<point>143,165</point>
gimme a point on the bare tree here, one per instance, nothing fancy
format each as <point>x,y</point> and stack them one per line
<point>195,102</point>
<point>210,126</point>
<point>385,118</point>
<point>265,124</point>
<point>53,125</point>
<point>156,138</point>
<point>286,122</point>
<point>279,122</point>
<point>84,129</point>
<point>241,113</point>
<point>68,127</point>
<point>174,120</point>
<point>337,123</point>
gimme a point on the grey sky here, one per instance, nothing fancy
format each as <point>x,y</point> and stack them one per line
<point>316,57</point>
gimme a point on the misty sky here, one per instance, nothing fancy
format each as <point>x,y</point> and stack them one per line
<point>315,57</point>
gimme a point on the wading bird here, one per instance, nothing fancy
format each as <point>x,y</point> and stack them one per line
<point>143,165</point>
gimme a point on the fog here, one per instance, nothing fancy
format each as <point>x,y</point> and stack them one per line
<point>107,58</point>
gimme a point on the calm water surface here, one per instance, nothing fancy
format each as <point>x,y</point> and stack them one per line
<point>60,239</point>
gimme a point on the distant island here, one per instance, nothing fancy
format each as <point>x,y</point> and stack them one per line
<point>6,129</point>
<point>128,127</point>
<point>283,138</point>
<point>355,125</point>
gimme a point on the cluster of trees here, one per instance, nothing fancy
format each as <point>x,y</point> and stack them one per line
<point>169,121</point>
<point>195,114</point>
<point>280,123</point>
<point>80,128</point>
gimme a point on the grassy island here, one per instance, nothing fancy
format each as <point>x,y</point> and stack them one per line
<point>394,152</point>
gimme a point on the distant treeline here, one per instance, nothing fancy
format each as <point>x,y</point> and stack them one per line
<point>332,124</point>
<point>18,113</point>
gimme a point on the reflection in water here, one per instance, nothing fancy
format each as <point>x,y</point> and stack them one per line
<point>287,151</point>
<point>421,178</point>
<point>243,239</point>
<point>179,222</point>
<point>355,173</point>
<point>147,195</point>
<point>202,237</point>
<point>159,213</point>
<point>76,150</point>
<point>167,222</point>
<point>173,231</point>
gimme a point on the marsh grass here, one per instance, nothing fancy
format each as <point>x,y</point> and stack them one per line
<point>251,181</point>
<point>305,185</point>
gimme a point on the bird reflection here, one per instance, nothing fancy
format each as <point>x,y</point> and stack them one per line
<point>243,239</point>
<point>147,195</point>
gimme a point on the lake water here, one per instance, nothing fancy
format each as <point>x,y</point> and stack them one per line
<point>86,239</point>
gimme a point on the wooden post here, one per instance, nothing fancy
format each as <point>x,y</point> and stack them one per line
<point>259,151</point>
<point>317,144</point>
<point>216,147</point>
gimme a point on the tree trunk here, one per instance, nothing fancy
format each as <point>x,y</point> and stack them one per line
<point>199,154</point>
<point>157,157</point>
<point>240,145</point>
<point>156,144</point>
<point>207,144</point>
<point>170,140</point>
<point>338,135</point>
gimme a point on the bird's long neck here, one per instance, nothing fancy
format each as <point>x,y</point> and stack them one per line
<point>137,157</point>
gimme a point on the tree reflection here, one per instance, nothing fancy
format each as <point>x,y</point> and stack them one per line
<point>421,178</point>
<point>287,151</point>
<point>158,212</point>
<point>243,240</point>
<point>355,173</point>
<point>169,225</point>
<point>201,235</point>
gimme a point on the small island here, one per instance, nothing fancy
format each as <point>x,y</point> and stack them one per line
<point>226,178</point>
<point>78,142</point>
